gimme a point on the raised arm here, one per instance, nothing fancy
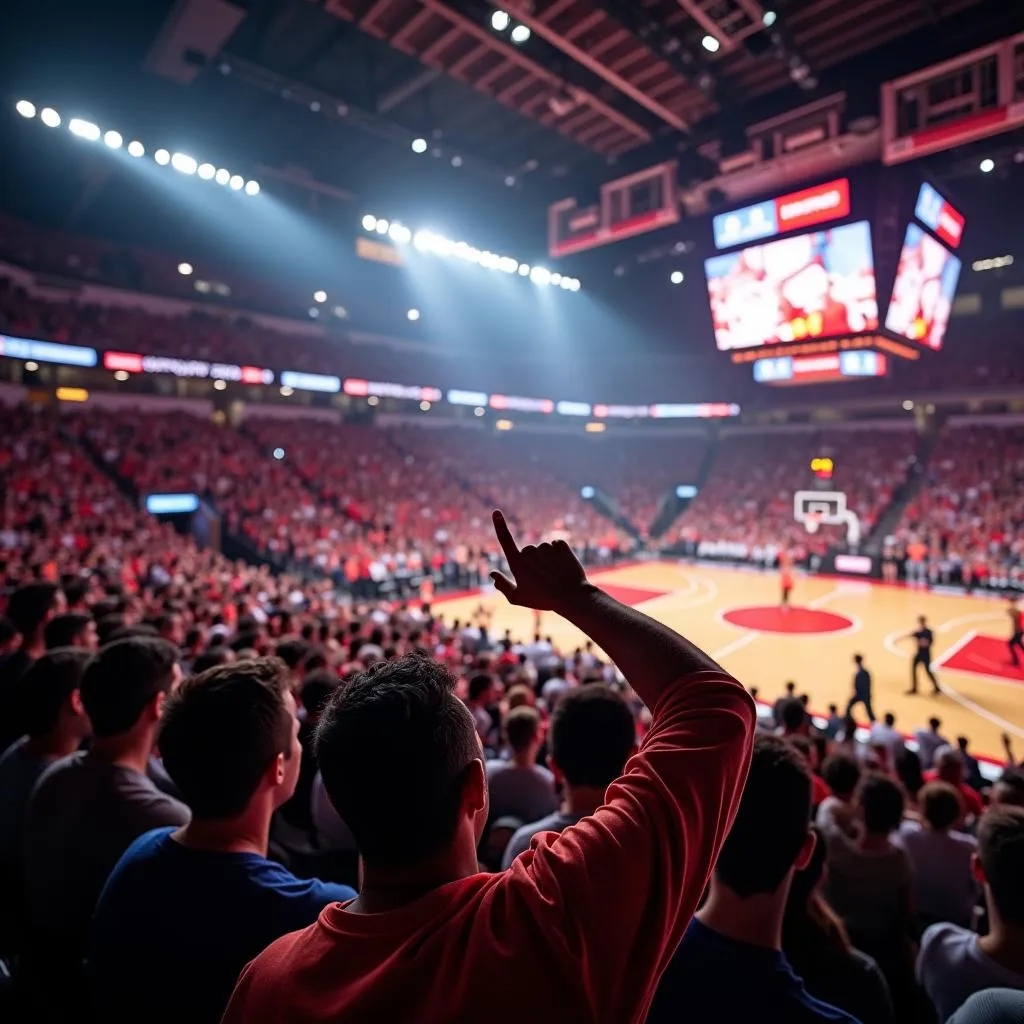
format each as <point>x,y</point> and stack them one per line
<point>549,577</point>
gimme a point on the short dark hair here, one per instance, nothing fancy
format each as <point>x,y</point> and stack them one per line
<point>890,719</point>
<point>62,630</point>
<point>858,658</point>
<point>882,803</point>
<point>393,746</point>
<point>1010,787</point>
<point>771,823</point>
<point>221,730</point>
<point>941,806</point>
<point>123,678</point>
<point>219,655</point>
<point>934,723</point>
<point>47,684</point>
<point>30,604</point>
<point>841,772</point>
<point>317,689</point>
<point>792,713</point>
<point>908,771</point>
<point>592,735</point>
<point>292,652</point>
<point>479,685</point>
<point>522,725</point>
<point>1000,850</point>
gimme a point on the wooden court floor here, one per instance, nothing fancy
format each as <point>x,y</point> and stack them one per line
<point>733,615</point>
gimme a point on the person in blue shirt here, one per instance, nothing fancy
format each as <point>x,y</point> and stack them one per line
<point>185,910</point>
<point>730,965</point>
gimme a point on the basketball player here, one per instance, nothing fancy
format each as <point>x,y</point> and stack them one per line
<point>861,690</point>
<point>922,656</point>
<point>1016,641</point>
<point>786,578</point>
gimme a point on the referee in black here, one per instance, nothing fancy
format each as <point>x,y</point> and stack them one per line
<point>924,638</point>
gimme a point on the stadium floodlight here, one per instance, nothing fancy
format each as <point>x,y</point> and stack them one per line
<point>369,222</point>
<point>413,314</point>
<point>84,129</point>
<point>500,21</point>
<point>252,188</point>
<point>136,149</point>
<point>575,286</point>
<point>320,295</point>
<point>508,265</point>
<point>520,34</point>
<point>400,233</point>
<point>423,240</point>
<point>710,43</point>
<point>313,312</point>
<point>26,108</point>
<point>184,164</point>
<point>768,18</point>
<point>566,283</point>
<point>479,411</point>
<point>223,176</point>
<point>206,171</point>
<point>524,269</point>
<point>185,269</point>
<point>113,140</point>
<point>220,385</point>
<point>237,182</point>
<point>50,117</point>
<point>510,180</point>
<point>278,453</point>
<point>676,277</point>
<point>556,278</point>
<point>987,166</point>
<point>424,406</point>
<point>540,275</point>
<point>382,226</point>
<point>456,160</point>
<point>162,157</point>
<point>419,145</point>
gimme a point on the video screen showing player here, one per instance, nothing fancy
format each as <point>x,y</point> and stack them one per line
<point>922,294</point>
<point>817,285</point>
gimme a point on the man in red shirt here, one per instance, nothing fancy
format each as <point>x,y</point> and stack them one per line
<point>585,920</point>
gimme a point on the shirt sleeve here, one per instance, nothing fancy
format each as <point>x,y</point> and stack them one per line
<point>616,891</point>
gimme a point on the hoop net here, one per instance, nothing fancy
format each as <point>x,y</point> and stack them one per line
<point>812,520</point>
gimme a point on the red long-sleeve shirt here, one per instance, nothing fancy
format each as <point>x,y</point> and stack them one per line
<point>579,928</point>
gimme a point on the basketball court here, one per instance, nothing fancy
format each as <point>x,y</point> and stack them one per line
<point>733,614</point>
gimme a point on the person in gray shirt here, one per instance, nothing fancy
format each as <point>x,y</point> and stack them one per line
<point>954,963</point>
<point>592,735</point>
<point>87,809</point>
<point>521,788</point>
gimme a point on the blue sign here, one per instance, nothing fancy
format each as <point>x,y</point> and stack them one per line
<point>47,351</point>
<point>310,381</point>
<point>171,504</point>
<point>778,368</point>
<point>750,224</point>
<point>859,364</point>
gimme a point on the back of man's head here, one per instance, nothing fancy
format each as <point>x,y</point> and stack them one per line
<point>940,805</point>
<point>1009,789</point>
<point>317,689</point>
<point>66,630</point>
<point>122,679</point>
<point>522,726</point>
<point>841,772</point>
<point>949,766</point>
<point>858,659</point>
<point>772,822</point>
<point>48,684</point>
<point>221,732</point>
<point>30,605</point>
<point>292,652</point>
<point>219,654</point>
<point>479,685</point>
<point>1001,853</point>
<point>934,724</point>
<point>890,719</point>
<point>592,735</point>
<point>393,746</point>
<point>881,803</point>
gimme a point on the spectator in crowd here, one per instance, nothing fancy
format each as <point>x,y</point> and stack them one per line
<point>911,778</point>
<point>737,934</point>
<point>587,917</point>
<point>789,694</point>
<point>1008,789</point>
<point>818,949</point>
<point>991,1006</point>
<point>972,770</point>
<point>56,724</point>
<point>943,887</point>
<point>521,788</point>
<point>885,734</point>
<point>71,629</point>
<point>928,742</point>
<point>9,638</point>
<point>591,737</point>
<point>197,904</point>
<point>949,767</point>
<point>29,608</point>
<point>835,722</point>
<point>838,812</point>
<point>793,718</point>
<point>483,693</point>
<point>88,808</point>
<point>953,962</point>
<point>316,691</point>
<point>871,864</point>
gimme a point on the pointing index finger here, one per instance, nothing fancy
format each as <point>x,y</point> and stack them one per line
<point>505,538</point>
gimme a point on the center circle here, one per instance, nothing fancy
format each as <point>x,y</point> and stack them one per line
<point>773,619</point>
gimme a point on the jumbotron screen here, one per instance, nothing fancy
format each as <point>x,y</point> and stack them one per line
<point>817,285</point>
<point>922,294</point>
